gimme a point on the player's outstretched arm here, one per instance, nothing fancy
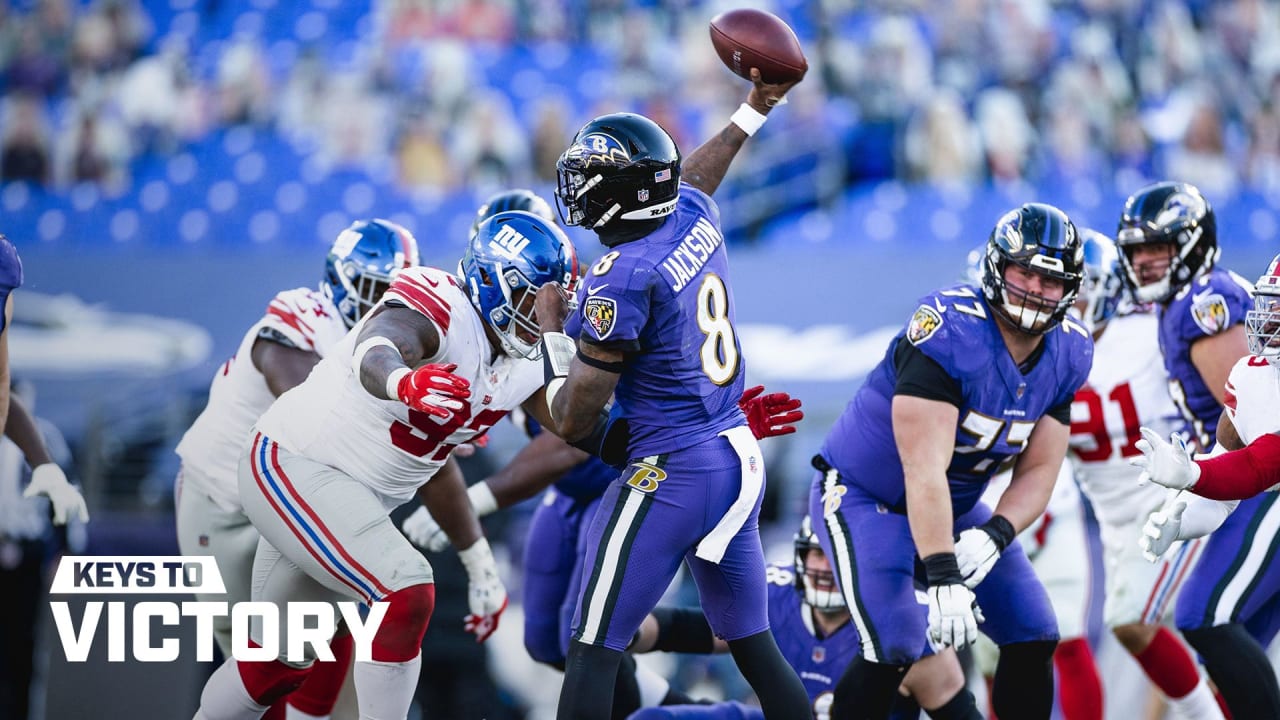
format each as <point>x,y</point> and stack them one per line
<point>386,359</point>
<point>706,166</point>
<point>543,461</point>
<point>1233,475</point>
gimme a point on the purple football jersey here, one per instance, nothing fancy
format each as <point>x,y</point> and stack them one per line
<point>1211,304</point>
<point>819,662</point>
<point>666,300</point>
<point>955,328</point>
<point>10,273</point>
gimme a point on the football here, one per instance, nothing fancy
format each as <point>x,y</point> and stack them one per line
<point>754,38</point>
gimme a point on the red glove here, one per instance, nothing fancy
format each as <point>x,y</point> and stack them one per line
<point>434,389</point>
<point>771,415</point>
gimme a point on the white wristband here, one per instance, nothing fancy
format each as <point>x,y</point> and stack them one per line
<point>748,118</point>
<point>393,382</point>
<point>558,350</point>
<point>357,358</point>
<point>482,499</point>
<point>477,557</point>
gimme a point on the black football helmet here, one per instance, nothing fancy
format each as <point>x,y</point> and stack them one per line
<point>620,166</point>
<point>1040,238</point>
<point>1167,212</point>
<point>518,199</point>
<point>818,586</point>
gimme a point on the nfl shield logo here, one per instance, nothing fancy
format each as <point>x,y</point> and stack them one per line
<point>642,195</point>
<point>819,654</point>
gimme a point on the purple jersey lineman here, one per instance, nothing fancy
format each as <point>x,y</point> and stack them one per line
<point>1210,304</point>
<point>861,496</point>
<point>667,297</point>
<point>956,329</point>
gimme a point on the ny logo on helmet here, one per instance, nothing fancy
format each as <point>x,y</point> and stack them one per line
<point>508,242</point>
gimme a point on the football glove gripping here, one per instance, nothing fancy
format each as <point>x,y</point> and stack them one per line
<point>1161,530</point>
<point>1165,463</point>
<point>486,595</point>
<point>434,390</point>
<point>423,531</point>
<point>49,480</point>
<point>770,415</point>
<point>978,548</point>
<point>954,614</point>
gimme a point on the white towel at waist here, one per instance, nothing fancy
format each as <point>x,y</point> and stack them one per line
<point>716,542</point>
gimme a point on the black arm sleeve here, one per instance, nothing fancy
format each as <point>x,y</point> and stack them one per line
<point>1061,413</point>
<point>921,376</point>
<point>624,346</point>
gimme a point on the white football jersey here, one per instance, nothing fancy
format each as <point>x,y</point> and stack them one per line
<point>1127,389</point>
<point>1252,398</point>
<point>333,420</point>
<point>211,448</point>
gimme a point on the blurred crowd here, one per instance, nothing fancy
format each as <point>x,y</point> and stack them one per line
<point>443,94</point>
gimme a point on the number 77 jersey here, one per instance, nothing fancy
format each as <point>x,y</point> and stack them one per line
<point>999,404</point>
<point>665,301</point>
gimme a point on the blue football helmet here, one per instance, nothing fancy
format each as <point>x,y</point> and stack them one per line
<point>1102,289</point>
<point>621,166</point>
<point>518,199</point>
<point>1262,323</point>
<point>1042,239</point>
<point>362,262</point>
<point>818,586</point>
<point>511,255</point>
<point>1174,213</point>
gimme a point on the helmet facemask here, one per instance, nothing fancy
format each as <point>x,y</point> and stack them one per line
<point>821,592</point>
<point>513,320</point>
<point>1262,327</point>
<point>1175,214</point>
<point>1101,288</point>
<point>1037,239</point>
<point>1029,312</point>
<point>619,167</point>
<point>362,263</point>
<point>512,255</point>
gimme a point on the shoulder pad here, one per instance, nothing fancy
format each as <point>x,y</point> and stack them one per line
<point>295,315</point>
<point>951,327</point>
<point>426,290</point>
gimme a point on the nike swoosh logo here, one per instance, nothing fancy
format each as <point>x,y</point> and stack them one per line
<point>591,291</point>
<point>938,304</point>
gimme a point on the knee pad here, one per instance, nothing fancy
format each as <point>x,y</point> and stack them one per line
<point>399,639</point>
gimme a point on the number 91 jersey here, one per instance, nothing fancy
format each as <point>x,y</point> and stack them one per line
<point>1128,388</point>
<point>999,404</point>
<point>665,301</point>
<point>330,418</point>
